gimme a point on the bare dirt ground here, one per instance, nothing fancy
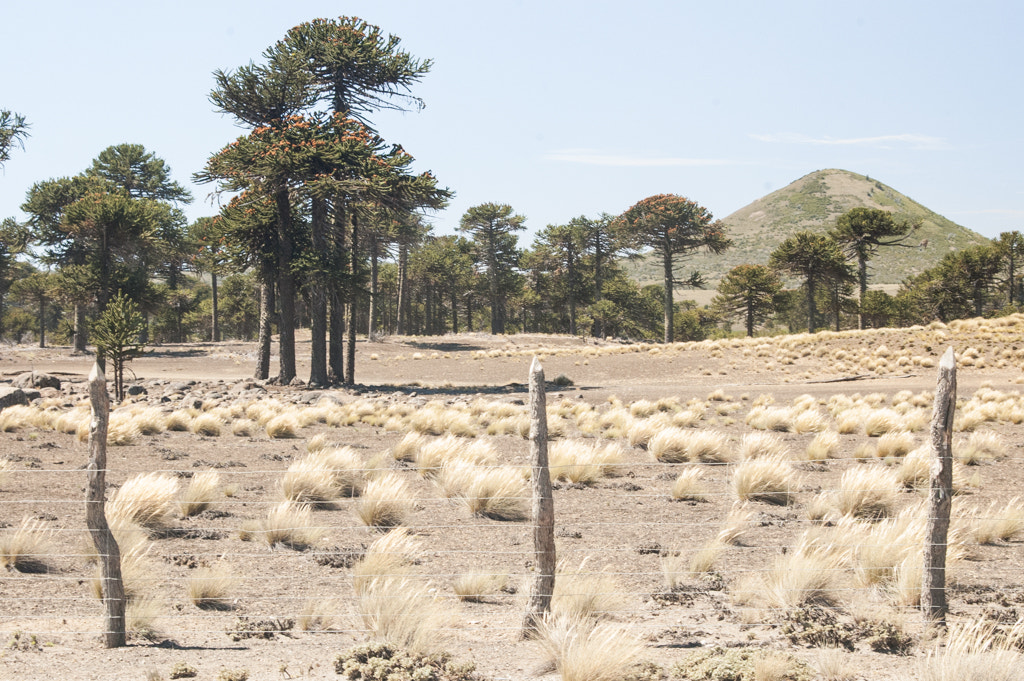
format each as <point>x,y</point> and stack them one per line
<point>622,525</point>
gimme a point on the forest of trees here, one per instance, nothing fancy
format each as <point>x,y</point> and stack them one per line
<point>324,227</point>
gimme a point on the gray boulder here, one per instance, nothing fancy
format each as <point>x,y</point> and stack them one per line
<point>36,379</point>
<point>12,396</point>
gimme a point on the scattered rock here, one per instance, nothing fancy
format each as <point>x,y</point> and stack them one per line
<point>36,379</point>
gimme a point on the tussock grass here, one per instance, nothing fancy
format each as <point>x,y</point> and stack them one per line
<point>432,455</point>
<point>779,419</point>
<point>762,445</point>
<point>735,524</point>
<point>403,613</point>
<point>496,493</point>
<point>582,593</point>
<point>894,444</point>
<point>147,500</point>
<point>582,650</point>
<point>882,421</point>
<point>408,447</point>
<point>801,577</point>
<point>208,588</point>
<point>178,421</point>
<point>27,547</point>
<point>583,462</point>
<point>703,560</point>
<point>286,524</point>
<point>201,491</point>
<point>687,486</point>
<point>998,522</point>
<point>345,468</point>
<point>206,424</point>
<point>867,492</point>
<point>913,472</point>
<point>386,502</point>
<point>244,428</point>
<point>669,445</point>
<point>150,420</point>
<point>770,480</point>
<point>282,426</point>
<point>472,587</point>
<point>980,446</point>
<point>975,651</point>
<point>809,421</point>
<point>642,430</point>
<point>823,446</point>
<point>390,556</point>
<point>708,446</point>
<point>141,615</point>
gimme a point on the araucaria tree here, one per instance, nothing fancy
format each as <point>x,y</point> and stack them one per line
<point>748,292</point>
<point>673,227</point>
<point>492,228</point>
<point>13,131</point>
<point>860,232</point>
<point>817,260</point>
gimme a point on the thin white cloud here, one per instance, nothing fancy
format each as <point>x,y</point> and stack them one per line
<point>1013,212</point>
<point>593,158</point>
<point>879,141</point>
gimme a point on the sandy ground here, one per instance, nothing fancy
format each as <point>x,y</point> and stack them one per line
<point>621,526</point>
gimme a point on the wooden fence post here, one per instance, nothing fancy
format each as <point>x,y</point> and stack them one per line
<point>95,515</point>
<point>940,495</point>
<point>543,516</point>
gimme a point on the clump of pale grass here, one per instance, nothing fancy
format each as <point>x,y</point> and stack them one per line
<point>386,501</point>
<point>243,428</point>
<point>687,486</point>
<point>779,419</point>
<point>317,442</point>
<point>809,421</point>
<point>975,651</point>
<point>585,593</point>
<point>497,493</point>
<point>284,425</point>
<point>432,455</point>
<point>286,524</point>
<point>914,470</point>
<point>735,524</point>
<point>27,547</point>
<point>408,447</point>
<point>882,421</point>
<point>474,586</point>
<point>999,522</point>
<point>642,430</point>
<point>669,445</point>
<point>583,650</point>
<point>140,617</point>
<point>867,492</point>
<point>206,424</point>
<point>403,613</point>
<point>208,588</point>
<point>147,500</point>
<point>708,446</point>
<point>150,420</point>
<point>178,421</point>
<point>980,446</point>
<point>582,462</point>
<point>835,664</point>
<point>801,577</point>
<point>318,614</point>
<point>390,556</point>
<point>345,468</point>
<point>762,445</point>
<point>894,444</point>
<point>15,418</point>
<point>703,561</point>
<point>770,480</point>
<point>201,491</point>
<point>823,446</point>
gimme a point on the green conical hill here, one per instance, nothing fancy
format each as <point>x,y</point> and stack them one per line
<point>813,203</point>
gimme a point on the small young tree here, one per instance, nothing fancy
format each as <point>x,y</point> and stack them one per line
<point>748,292</point>
<point>116,334</point>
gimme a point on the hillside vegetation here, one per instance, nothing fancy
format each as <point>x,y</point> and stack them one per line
<point>814,202</point>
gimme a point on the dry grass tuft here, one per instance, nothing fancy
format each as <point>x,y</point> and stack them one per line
<point>999,523</point>
<point>762,445</point>
<point>206,424</point>
<point>882,421</point>
<point>584,593</point>
<point>894,444</point>
<point>403,613</point>
<point>687,486</point>
<point>147,500</point>
<point>244,428</point>
<point>27,547</point>
<point>390,556</point>
<point>208,588</point>
<point>801,577</point>
<point>582,650</point>
<point>408,447</point>
<point>867,492</point>
<point>386,502</point>
<point>201,491</point>
<point>496,493</point>
<point>770,480</point>
<point>282,426</point>
<point>823,446</point>
<point>472,587</point>
<point>178,421</point>
<point>288,524</point>
<point>975,651</point>
<point>980,446</point>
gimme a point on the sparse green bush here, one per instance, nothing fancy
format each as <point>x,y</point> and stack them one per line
<point>381,662</point>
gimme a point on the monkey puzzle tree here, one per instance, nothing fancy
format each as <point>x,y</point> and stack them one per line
<point>815,258</point>
<point>860,232</point>
<point>748,292</point>
<point>1011,247</point>
<point>492,228</point>
<point>13,131</point>
<point>674,227</point>
<point>117,335</point>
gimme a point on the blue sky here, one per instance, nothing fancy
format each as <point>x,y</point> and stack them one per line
<point>569,108</point>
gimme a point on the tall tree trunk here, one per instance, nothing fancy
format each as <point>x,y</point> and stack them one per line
<point>750,318</point>
<point>572,294</point>
<point>286,288</point>
<point>469,312</point>
<point>262,371</point>
<point>666,261</point>
<point>862,280</point>
<point>497,307</point>
<point>215,320</point>
<point>80,331</point>
<point>318,298</point>
<point>350,355</point>
<point>812,312</point>
<point>403,289</point>
<point>336,357</point>
<point>371,325</point>
<point>455,310</point>
<point>42,322</point>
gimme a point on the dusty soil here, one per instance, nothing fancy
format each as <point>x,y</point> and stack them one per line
<point>621,525</point>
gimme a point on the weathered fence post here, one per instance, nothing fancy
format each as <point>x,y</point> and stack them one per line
<point>940,495</point>
<point>543,515</point>
<point>95,514</point>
